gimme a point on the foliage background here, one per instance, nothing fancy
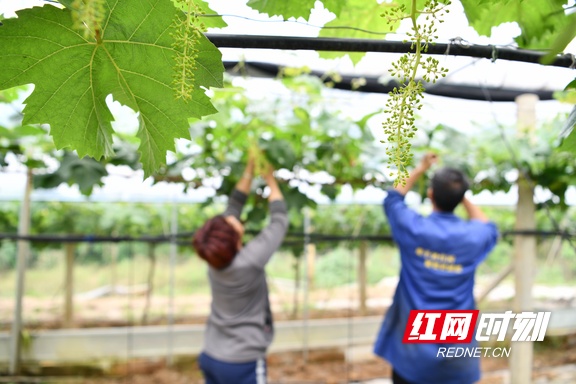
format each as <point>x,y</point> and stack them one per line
<point>312,145</point>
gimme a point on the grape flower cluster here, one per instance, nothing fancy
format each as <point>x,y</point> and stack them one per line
<point>187,31</point>
<point>399,125</point>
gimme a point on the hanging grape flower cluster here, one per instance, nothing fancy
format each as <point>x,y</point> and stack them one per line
<point>399,124</point>
<point>187,32</point>
<point>88,16</point>
<point>261,164</point>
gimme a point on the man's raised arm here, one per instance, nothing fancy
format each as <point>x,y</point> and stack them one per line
<point>425,164</point>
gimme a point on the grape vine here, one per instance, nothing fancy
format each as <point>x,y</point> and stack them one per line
<point>404,101</point>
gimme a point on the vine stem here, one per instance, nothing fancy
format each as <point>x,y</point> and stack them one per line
<point>413,17</point>
<point>418,56</point>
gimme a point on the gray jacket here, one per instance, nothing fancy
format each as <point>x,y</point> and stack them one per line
<point>240,327</point>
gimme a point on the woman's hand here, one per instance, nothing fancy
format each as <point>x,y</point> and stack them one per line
<point>275,192</point>
<point>245,182</point>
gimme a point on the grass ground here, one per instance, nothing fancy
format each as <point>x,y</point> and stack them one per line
<point>335,271</point>
<point>334,278</point>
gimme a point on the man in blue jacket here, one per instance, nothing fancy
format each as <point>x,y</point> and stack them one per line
<point>439,256</point>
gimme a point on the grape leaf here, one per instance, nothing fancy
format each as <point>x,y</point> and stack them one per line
<point>571,85</point>
<point>568,133</point>
<point>569,143</point>
<point>86,173</point>
<point>296,9</point>
<point>279,153</point>
<point>562,40</point>
<point>66,3</point>
<point>335,6</point>
<point>286,9</point>
<point>133,61</point>
<point>10,95</point>
<point>331,191</point>
<point>540,21</point>
<point>209,20</point>
<point>362,15</point>
<point>19,132</point>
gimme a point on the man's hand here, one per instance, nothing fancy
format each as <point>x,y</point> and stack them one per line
<point>427,161</point>
<point>474,212</point>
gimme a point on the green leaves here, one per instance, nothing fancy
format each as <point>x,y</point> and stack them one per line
<point>28,143</point>
<point>209,21</point>
<point>363,15</point>
<point>133,62</point>
<point>541,22</point>
<point>569,133</point>
<point>86,172</point>
<point>335,6</point>
<point>358,14</point>
<point>279,153</point>
<point>309,142</point>
<point>286,9</point>
<point>10,95</point>
<point>569,143</point>
<point>562,39</point>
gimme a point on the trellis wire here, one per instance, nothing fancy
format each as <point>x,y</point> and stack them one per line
<point>291,237</point>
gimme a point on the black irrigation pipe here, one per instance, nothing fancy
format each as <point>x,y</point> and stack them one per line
<point>84,238</point>
<point>314,237</point>
<point>372,84</point>
<point>455,48</point>
<point>529,233</point>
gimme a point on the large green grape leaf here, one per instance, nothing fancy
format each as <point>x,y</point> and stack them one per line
<point>540,21</point>
<point>134,62</point>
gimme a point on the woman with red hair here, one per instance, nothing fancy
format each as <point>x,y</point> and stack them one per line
<point>239,328</point>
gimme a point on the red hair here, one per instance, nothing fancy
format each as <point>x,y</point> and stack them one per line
<point>216,242</point>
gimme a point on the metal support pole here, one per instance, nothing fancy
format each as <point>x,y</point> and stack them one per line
<point>307,229</point>
<point>69,286</point>
<point>524,248</point>
<point>362,276</point>
<point>22,260</point>
<point>150,283</point>
<point>173,255</point>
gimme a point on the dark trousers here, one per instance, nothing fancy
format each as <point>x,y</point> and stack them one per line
<point>221,372</point>
<point>397,379</point>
